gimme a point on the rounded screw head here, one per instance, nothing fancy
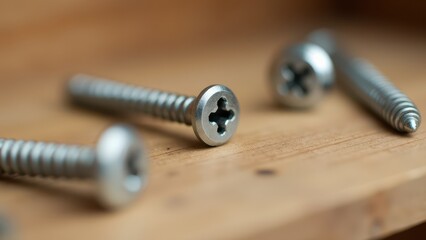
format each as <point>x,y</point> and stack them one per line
<point>215,115</point>
<point>301,74</point>
<point>121,169</point>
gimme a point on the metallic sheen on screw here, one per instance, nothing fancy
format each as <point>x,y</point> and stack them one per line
<point>301,75</point>
<point>118,164</point>
<point>371,87</point>
<point>214,114</point>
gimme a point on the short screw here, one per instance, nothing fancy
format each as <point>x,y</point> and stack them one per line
<point>301,74</point>
<point>214,114</point>
<point>372,88</point>
<point>118,164</point>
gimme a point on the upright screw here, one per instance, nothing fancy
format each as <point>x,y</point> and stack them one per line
<point>371,87</point>
<point>301,74</point>
<point>118,164</point>
<point>214,114</point>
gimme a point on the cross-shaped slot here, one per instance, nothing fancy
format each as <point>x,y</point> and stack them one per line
<point>296,78</point>
<point>221,116</point>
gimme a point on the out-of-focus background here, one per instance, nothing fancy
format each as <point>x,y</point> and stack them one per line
<point>43,42</point>
<point>45,36</point>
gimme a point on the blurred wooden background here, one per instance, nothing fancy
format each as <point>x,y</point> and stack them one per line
<point>49,34</point>
<point>41,42</point>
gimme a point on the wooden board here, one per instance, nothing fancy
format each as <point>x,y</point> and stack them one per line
<point>333,172</point>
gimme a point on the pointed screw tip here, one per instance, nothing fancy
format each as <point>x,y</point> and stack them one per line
<point>411,126</point>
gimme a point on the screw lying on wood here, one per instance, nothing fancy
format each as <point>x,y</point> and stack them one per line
<point>301,74</point>
<point>371,87</point>
<point>214,114</point>
<point>118,164</point>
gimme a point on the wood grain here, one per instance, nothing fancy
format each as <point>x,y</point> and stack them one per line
<point>333,172</point>
<point>49,35</point>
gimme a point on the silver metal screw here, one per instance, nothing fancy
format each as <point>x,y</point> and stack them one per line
<point>118,164</point>
<point>7,230</point>
<point>301,74</point>
<point>372,88</point>
<point>214,114</point>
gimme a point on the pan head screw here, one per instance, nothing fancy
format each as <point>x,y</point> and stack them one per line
<point>301,74</point>
<point>117,166</point>
<point>215,115</point>
<point>121,166</point>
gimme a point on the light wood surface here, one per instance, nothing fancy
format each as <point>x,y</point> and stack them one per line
<point>333,172</point>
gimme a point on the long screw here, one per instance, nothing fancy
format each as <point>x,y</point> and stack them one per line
<point>214,114</point>
<point>118,164</point>
<point>372,88</point>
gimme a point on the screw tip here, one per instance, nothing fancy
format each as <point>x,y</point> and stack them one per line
<point>411,125</point>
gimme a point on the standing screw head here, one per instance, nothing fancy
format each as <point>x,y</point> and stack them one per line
<point>121,166</point>
<point>301,75</point>
<point>215,115</point>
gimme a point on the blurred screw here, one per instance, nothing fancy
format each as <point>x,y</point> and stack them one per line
<point>301,74</point>
<point>118,164</point>
<point>371,87</point>
<point>6,228</point>
<point>214,114</point>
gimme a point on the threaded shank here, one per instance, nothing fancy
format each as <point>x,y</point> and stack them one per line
<point>45,159</point>
<point>123,97</point>
<point>377,92</point>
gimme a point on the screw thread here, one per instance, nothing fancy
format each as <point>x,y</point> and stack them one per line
<point>381,95</point>
<point>371,87</point>
<point>46,159</point>
<point>119,96</point>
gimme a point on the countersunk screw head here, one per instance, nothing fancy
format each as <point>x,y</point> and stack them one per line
<point>301,74</point>
<point>215,115</point>
<point>121,166</point>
